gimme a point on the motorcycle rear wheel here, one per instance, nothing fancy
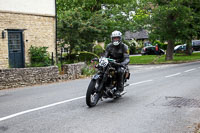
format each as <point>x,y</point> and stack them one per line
<point>92,97</point>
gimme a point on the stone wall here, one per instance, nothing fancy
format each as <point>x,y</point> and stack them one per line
<point>19,77</point>
<point>38,31</point>
<point>72,71</point>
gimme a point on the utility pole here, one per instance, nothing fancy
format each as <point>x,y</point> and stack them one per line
<point>56,33</point>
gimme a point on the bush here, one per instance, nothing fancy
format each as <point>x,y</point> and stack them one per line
<point>160,44</point>
<point>87,56</point>
<point>81,56</point>
<point>139,47</point>
<point>70,57</point>
<point>39,56</point>
<point>98,50</point>
<point>89,69</point>
<point>131,46</point>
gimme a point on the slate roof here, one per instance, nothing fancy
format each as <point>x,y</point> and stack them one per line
<point>143,34</point>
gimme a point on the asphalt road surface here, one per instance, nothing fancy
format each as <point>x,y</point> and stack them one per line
<point>159,99</point>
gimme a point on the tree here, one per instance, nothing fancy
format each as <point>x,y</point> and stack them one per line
<point>78,29</point>
<point>171,21</point>
<point>194,26</point>
<point>81,22</point>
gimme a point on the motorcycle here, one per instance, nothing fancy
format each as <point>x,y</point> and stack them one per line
<point>103,84</point>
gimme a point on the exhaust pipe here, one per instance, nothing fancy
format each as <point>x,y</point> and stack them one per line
<point>125,85</point>
<point>123,92</point>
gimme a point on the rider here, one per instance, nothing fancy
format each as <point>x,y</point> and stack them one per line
<point>118,51</point>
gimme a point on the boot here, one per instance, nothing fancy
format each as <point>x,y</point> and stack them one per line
<point>120,80</point>
<point>117,93</point>
<point>120,86</point>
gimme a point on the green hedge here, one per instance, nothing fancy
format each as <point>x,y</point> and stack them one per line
<point>98,50</point>
<point>160,44</point>
<point>77,57</point>
<point>87,56</point>
<point>163,45</point>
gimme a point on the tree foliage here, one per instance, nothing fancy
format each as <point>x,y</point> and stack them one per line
<point>81,22</point>
<point>98,50</point>
<point>173,20</point>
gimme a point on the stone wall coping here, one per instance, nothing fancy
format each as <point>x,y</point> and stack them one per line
<point>33,14</point>
<point>27,68</point>
<point>74,64</point>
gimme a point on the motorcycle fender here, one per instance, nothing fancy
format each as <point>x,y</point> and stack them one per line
<point>96,76</point>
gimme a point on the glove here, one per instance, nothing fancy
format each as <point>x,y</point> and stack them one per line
<point>117,64</point>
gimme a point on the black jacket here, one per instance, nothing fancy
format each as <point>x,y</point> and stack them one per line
<point>119,53</point>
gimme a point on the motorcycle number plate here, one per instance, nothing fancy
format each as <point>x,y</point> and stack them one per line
<point>95,77</point>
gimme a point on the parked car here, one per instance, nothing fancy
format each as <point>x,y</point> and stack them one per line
<point>151,50</point>
<point>147,44</point>
<point>196,45</point>
<point>180,48</point>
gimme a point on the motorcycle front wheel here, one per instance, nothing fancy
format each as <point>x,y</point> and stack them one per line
<point>92,96</point>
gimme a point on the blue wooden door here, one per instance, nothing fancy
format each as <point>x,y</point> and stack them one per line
<point>16,49</point>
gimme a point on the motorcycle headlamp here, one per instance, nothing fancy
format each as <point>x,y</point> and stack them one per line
<point>103,62</point>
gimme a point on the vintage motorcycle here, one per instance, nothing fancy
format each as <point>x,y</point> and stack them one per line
<point>103,84</point>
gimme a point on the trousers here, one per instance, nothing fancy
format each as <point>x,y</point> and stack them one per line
<point>120,78</point>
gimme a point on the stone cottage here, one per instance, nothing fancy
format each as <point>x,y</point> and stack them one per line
<point>24,23</point>
<point>138,36</point>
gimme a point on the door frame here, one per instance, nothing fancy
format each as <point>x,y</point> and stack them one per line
<point>22,45</point>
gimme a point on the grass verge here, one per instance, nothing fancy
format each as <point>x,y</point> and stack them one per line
<point>153,59</point>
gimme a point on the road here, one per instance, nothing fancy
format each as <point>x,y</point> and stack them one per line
<point>160,99</point>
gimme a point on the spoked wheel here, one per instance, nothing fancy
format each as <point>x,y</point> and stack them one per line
<point>92,97</point>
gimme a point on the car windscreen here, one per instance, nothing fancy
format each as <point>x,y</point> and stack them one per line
<point>195,43</point>
<point>177,47</point>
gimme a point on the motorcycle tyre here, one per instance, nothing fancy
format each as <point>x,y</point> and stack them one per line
<point>90,91</point>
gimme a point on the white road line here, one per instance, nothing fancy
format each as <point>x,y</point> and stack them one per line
<point>190,70</point>
<point>140,82</point>
<point>172,75</point>
<point>39,108</point>
<point>54,104</point>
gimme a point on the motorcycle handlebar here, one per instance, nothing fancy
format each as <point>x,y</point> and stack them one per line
<point>112,61</point>
<point>109,59</point>
<point>95,59</point>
